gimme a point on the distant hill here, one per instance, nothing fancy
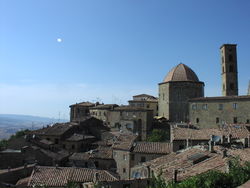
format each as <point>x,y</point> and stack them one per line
<point>11,123</point>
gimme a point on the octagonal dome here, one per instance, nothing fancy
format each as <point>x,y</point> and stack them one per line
<point>181,73</point>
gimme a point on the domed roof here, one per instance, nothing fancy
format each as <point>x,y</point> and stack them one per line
<point>181,73</point>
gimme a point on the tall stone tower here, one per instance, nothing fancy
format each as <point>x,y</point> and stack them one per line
<point>229,69</point>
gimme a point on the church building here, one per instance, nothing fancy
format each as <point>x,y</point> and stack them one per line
<point>181,96</point>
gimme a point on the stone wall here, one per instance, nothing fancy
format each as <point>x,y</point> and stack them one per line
<point>214,113</point>
<point>174,96</point>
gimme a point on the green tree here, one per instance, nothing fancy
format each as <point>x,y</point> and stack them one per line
<point>158,135</point>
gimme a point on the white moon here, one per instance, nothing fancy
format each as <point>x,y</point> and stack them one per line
<point>59,40</point>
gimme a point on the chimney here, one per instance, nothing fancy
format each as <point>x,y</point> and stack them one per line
<point>222,139</point>
<point>224,153</point>
<point>229,138</point>
<point>211,147</point>
<point>175,172</point>
<point>96,177</point>
<point>228,166</point>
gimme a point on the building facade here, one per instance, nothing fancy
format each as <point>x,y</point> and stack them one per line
<point>217,111</point>
<point>180,85</point>
<point>146,102</point>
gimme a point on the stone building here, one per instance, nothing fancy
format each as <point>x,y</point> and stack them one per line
<point>131,120</point>
<point>180,85</point>
<point>79,111</point>
<point>227,109</point>
<point>101,111</point>
<point>145,101</point>
<point>128,152</point>
<point>99,158</point>
<point>217,111</point>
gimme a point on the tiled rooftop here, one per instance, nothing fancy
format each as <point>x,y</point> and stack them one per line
<point>54,130</point>
<point>183,163</point>
<point>130,108</point>
<point>100,153</point>
<point>79,137</point>
<point>124,142</point>
<point>60,176</point>
<point>104,106</point>
<point>152,147</point>
<point>219,98</point>
<point>237,132</point>
<point>86,104</point>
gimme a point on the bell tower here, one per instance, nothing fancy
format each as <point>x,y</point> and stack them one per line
<point>229,69</point>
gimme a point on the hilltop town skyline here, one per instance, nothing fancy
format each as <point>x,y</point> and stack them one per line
<point>54,54</point>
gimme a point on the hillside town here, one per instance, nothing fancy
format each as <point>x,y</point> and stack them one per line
<point>175,136</point>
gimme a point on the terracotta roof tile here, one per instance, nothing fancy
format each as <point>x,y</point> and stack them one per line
<point>152,147</point>
<point>181,73</point>
<point>124,142</point>
<point>237,132</point>
<point>60,176</point>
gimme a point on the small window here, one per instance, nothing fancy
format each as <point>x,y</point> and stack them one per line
<point>248,121</point>
<point>148,106</point>
<point>124,170</point>
<point>204,106</point>
<point>194,106</point>
<point>197,120</point>
<point>220,107</point>
<point>231,68</point>
<point>96,164</point>
<point>124,157</point>
<point>224,87</point>
<point>181,147</point>
<point>230,57</point>
<point>115,154</point>
<point>143,159</point>
<point>163,97</point>
<point>217,120</point>
<point>235,120</point>
<point>132,157</point>
<point>64,146</point>
<point>73,146</point>
<point>231,86</point>
<point>222,59</point>
<point>235,106</point>
<point>56,141</point>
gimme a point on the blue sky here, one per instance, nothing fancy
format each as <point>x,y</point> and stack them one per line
<point>111,49</point>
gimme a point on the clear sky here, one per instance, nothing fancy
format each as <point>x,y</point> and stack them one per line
<point>112,49</point>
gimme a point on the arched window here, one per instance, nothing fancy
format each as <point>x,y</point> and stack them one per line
<point>230,57</point>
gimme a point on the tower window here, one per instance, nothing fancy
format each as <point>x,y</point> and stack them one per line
<point>248,121</point>
<point>217,120</point>
<point>220,107</point>
<point>204,106</point>
<point>230,57</point>
<point>231,68</point>
<point>194,106</point>
<point>222,59</point>
<point>197,120</point>
<point>235,120</point>
<point>235,106</point>
<point>223,69</point>
<point>231,86</point>
<point>143,159</point>
<point>223,87</point>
